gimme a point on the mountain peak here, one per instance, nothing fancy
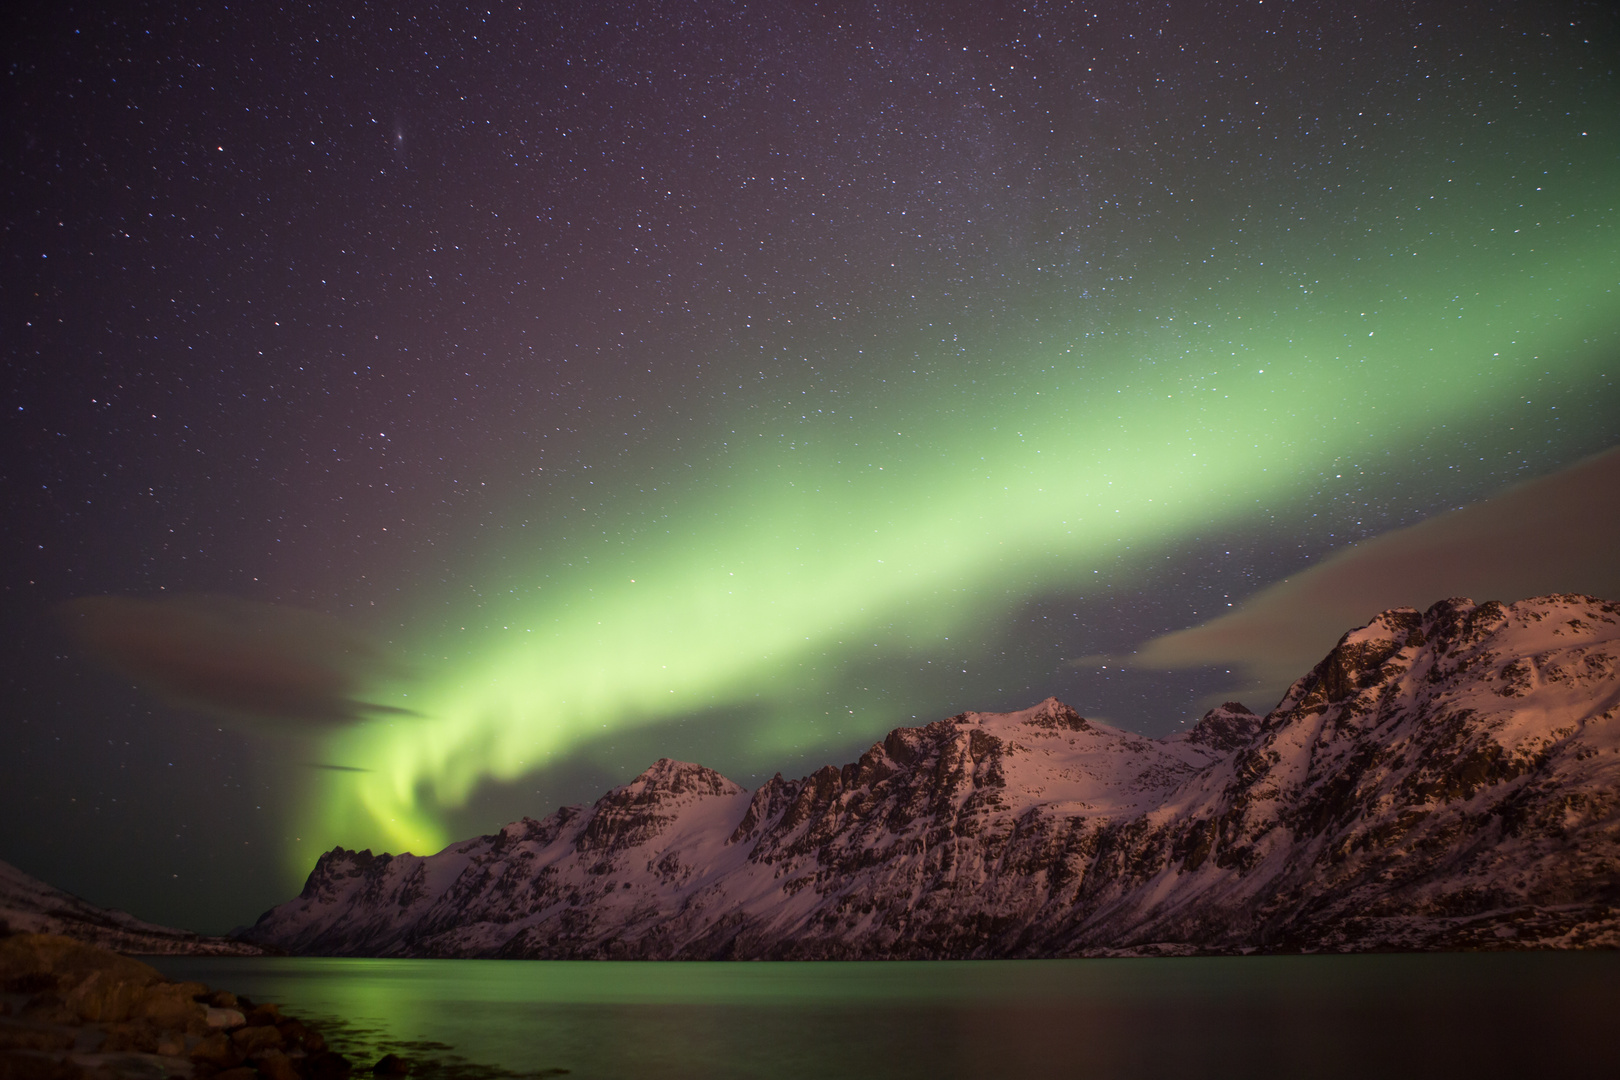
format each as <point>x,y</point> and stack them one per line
<point>668,777</point>
<point>1053,713</point>
<point>1442,779</point>
<point>1225,727</point>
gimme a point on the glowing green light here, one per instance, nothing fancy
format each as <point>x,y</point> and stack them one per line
<point>912,526</point>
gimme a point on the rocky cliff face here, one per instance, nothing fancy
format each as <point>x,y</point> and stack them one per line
<point>1441,779</point>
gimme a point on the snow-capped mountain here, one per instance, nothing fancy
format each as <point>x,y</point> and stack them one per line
<point>1443,779</point>
<point>29,906</point>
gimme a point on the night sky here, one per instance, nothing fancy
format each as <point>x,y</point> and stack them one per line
<point>412,422</point>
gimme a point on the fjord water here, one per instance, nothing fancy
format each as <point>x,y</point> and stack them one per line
<point>1434,1015</point>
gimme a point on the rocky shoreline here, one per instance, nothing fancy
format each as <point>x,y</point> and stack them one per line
<point>73,1011</point>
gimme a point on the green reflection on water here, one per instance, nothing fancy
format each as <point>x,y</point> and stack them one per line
<point>1474,1015</point>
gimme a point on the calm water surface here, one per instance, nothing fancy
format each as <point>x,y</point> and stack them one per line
<point>1437,1015</point>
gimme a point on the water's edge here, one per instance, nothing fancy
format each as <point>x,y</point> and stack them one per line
<point>1456,1014</point>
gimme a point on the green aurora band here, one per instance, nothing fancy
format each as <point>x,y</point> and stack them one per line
<point>919,516</point>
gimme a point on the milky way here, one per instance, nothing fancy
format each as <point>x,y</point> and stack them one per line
<point>735,385</point>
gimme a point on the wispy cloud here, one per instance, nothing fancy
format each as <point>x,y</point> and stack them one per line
<point>1555,534</point>
<point>234,659</point>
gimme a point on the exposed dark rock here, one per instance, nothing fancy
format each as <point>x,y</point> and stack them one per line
<point>91,1014</point>
<point>390,1065</point>
<point>1434,772</point>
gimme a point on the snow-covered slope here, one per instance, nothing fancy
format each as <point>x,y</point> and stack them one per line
<point>29,906</point>
<point>1441,779</point>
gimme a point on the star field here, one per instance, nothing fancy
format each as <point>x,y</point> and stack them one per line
<point>730,383</point>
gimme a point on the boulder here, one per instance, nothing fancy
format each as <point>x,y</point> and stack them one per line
<point>173,1005</point>
<point>105,997</point>
<point>255,1040</point>
<point>263,1015</point>
<point>28,1037</point>
<point>139,1036</point>
<point>47,1009</point>
<point>223,1018</point>
<point>36,963</point>
<point>390,1065</point>
<point>123,1015</point>
<point>218,1051</point>
<point>275,1065</point>
<point>25,1065</point>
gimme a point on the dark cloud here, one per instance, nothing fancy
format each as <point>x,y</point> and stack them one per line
<point>234,659</point>
<point>336,768</point>
<point>1555,534</point>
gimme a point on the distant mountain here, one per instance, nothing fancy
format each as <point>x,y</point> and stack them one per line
<point>29,906</point>
<point>1442,779</point>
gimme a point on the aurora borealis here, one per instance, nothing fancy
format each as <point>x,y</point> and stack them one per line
<point>852,537</point>
<point>737,384</point>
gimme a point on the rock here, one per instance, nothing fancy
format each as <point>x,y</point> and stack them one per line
<point>217,1050</point>
<point>223,1018</point>
<point>93,1015</point>
<point>275,1065</point>
<point>31,963</point>
<point>252,1040</point>
<point>27,1037</point>
<point>105,997</point>
<point>33,983</point>
<point>47,1009</point>
<point>1441,780</point>
<point>139,1036</point>
<point>263,1015</point>
<point>390,1065</point>
<point>29,1066</point>
<point>173,1005</point>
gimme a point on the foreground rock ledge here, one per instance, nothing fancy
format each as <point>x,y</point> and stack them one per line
<point>71,1011</point>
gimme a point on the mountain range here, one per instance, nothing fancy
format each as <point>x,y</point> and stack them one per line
<point>1443,779</point>
<point>29,906</point>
